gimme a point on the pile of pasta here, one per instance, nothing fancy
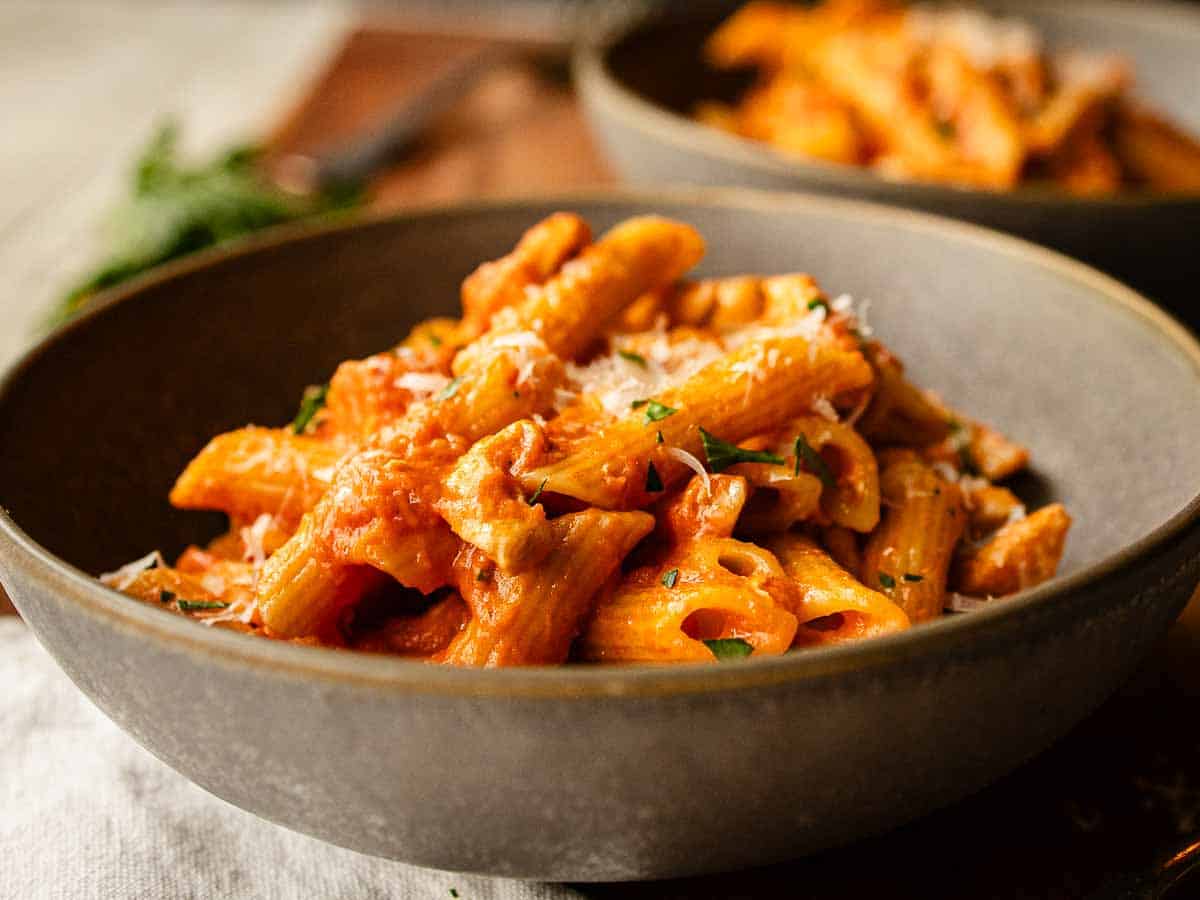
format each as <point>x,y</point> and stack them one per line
<point>605,461</point>
<point>940,94</point>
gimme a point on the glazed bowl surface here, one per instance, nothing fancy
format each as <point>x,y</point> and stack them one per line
<point>602,773</point>
<point>640,85</point>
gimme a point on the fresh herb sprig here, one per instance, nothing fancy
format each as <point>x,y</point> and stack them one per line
<point>726,649</point>
<point>175,209</point>
<point>722,454</point>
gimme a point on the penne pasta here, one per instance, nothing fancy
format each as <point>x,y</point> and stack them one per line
<point>604,462</point>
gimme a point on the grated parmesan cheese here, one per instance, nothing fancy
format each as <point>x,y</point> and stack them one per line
<point>253,536</point>
<point>987,40</point>
<point>421,383</point>
<point>963,603</point>
<point>125,576</point>
<point>823,408</point>
<point>692,463</point>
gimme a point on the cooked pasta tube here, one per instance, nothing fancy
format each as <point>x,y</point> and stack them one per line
<point>976,449</point>
<point>1021,554</point>
<point>843,461</point>
<point>485,507</point>
<point>718,303</point>
<point>611,469</point>
<point>531,618</point>
<point>708,506</point>
<point>989,506</point>
<point>366,394</point>
<point>421,635</point>
<point>842,546</point>
<point>540,253</point>
<point>833,606</point>
<point>253,471</point>
<point>631,259</point>
<point>1156,152</point>
<point>779,497</point>
<point>909,554</point>
<point>899,412</point>
<point>710,589</point>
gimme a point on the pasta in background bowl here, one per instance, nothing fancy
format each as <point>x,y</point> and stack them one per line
<point>603,772</point>
<point>568,463</point>
<point>955,153</point>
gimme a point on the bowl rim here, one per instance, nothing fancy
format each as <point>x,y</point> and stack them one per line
<point>976,630</point>
<point>599,85</point>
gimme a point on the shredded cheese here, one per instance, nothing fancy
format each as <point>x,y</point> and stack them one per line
<point>252,539</point>
<point>692,463</point>
<point>421,383</point>
<point>125,576</point>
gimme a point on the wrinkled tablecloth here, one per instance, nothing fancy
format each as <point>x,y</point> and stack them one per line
<point>87,813</point>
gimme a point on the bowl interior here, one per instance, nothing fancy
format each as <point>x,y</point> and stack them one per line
<point>97,423</point>
<point>661,60</point>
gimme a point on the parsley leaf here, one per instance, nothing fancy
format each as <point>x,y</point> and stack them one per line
<point>435,340</point>
<point>909,576</point>
<point>887,580</point>
<point>537,495</point>
<point>311,403</point>
<point>813,460</point>
<point>638,404</point>
<point>656,412</point>
<point>658,438</point>
<point>722,454</point>
<point>449,390</point>
<point>654,482</point>
<point>818,301</point>
<point>729,648</point>
<point>670,578</point>
<point>165,596</point>
<point>636,358</point>
<point>193,605</point>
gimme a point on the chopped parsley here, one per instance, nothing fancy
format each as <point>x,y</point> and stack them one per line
<point>658,438</point>
<point>729,648</point>
<point>449,390</point>
<point>670,578</point>
<point>909,576</point>
<point>722,454</point>
<point>818,301</point>
<point>635,358</point>
<point>193,605</point>
<point>435,340</point>
<point>813,460</point>
<point>654,482</point>
<point>483,575</point>
<point>638,404</point>
<point>887,580</point>
<point>453,892</point>
<point>656,412</point>
<point>537,495</point>
<point>311,403</point>
<point>165,596</point>
<point>946,129</point>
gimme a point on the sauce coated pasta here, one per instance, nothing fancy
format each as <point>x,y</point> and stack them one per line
<point>605,461</point>
<point>943,94</point>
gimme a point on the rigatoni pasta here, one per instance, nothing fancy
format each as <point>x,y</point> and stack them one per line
<point>604,461</point>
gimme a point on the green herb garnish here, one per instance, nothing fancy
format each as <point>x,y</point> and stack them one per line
<point>656,412</point>
<point>909,576</point>
<point>813,460</point>
<point>435,340</point>
<point>165,596</point>
<point>311,402</point>
<point>887,580</point>
<point>729,648</point>
<point>175,209</point>
<point>722,454</point>
<point>945,129</point>
<point>654,482</point>
<point>453,892</point>
<point>193,605</point>
<point>670,578</point>
<point>818,301</point>
<point>537,495</point>
<point>636,358</point>
<point>658,438</point>
<point>483,575</point>
<point>449,390</point>
<point>638,404</point>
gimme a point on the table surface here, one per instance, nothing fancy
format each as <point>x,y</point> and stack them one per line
<point>1121,791</point>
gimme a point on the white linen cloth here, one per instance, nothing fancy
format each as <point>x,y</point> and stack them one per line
<point>87,814</point>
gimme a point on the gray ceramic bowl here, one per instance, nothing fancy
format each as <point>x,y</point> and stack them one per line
<point>588,772</point>
<point>640,85</point>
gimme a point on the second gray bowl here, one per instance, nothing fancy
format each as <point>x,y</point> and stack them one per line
<point>640,85</point>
